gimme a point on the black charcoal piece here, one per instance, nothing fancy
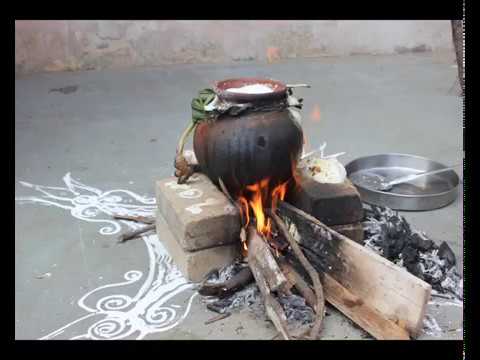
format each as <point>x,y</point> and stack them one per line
<point>418,242</point>
<point>389,232</point>
<point>446,253</point>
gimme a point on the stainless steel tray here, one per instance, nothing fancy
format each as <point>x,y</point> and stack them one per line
<point>425,193</point>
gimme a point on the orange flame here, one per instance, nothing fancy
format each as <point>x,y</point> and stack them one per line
<point>315,114</point>
<point>258,198</point>
<point>244,248</point>
<point>244,206</point>
<point>273,54</point>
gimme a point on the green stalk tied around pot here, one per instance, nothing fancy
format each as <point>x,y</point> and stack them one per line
<point>199,114</point>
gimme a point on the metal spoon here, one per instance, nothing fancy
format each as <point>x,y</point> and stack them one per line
<point>387,185</point>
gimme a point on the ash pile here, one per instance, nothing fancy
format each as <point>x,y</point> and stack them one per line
<point>297,312</point>
<point>391,236</point>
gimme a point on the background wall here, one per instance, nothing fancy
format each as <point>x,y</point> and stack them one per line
<point>83,45</point>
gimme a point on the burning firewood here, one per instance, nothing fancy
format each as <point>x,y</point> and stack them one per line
<point>320,303</point>
<point>299,283</point>
<point>272,306</point>
<point>268,274</point>
<point>259,251</point>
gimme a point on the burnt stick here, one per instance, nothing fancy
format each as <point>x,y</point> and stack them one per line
<point>141,219</point>
<point>317,285</point>
<point>132,234</point>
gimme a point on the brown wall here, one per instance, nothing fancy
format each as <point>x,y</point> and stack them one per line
<point>81,45</point>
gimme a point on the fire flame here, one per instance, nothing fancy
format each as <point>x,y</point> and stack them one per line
<point>258,197</point>
<point>315,114</point>
<point>273,54</point>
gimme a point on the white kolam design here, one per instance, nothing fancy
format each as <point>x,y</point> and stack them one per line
<point>117,315</point>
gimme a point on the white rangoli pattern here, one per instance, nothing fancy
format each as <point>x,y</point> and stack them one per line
<point>118,316</point>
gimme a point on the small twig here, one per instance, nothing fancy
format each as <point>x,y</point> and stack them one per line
<point>142,219</point>
<point>217,318</point>
<point>317,285</point>
<point>443,296</point>
<point>243,231</point>
<point>132,234</point>
<point>229,197</point>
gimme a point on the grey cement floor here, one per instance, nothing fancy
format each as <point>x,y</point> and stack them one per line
<point>118,130</point>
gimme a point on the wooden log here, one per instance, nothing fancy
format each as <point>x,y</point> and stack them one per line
<point>361,313</point>
<point>312,273</point>
<point>217,318</point>
<point>259,251</point>
<point>354,231</point>
<point>272,307</point>
<point>388,289</point>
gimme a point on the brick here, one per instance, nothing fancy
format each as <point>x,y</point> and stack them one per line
<point>199,215</point>
<point>332,204</point>
<point>194,265</point>
<point>352,231</point>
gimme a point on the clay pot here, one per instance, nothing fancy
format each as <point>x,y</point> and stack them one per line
<point>244,149</point>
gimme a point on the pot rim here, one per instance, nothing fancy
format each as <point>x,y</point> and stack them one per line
<point>220,87</point>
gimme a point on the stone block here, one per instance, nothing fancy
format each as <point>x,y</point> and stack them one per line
<point>194,265</point>
<point>332,204</point>
<point>198,214</point>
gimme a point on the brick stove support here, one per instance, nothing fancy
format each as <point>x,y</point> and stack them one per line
<point>198,214</point>
<point>332,204</point>
<point>196,221</point>
<point>197,224</point>
<point>194,265</point>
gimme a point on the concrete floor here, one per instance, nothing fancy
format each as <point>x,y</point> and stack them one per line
<point>117,133</point>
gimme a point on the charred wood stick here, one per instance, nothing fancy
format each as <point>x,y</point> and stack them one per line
<point>272,307</point>
<point>230,198</point>
<point>300,284</point>
<point>317,285</point>
<point>141,219</point>
<point>227,194</point>
<point>227,288</point>
<point>217,318</point>
<point>134,233</point>
<point>443,296</point>
<point>259,251</point>
<point>243,232</point>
